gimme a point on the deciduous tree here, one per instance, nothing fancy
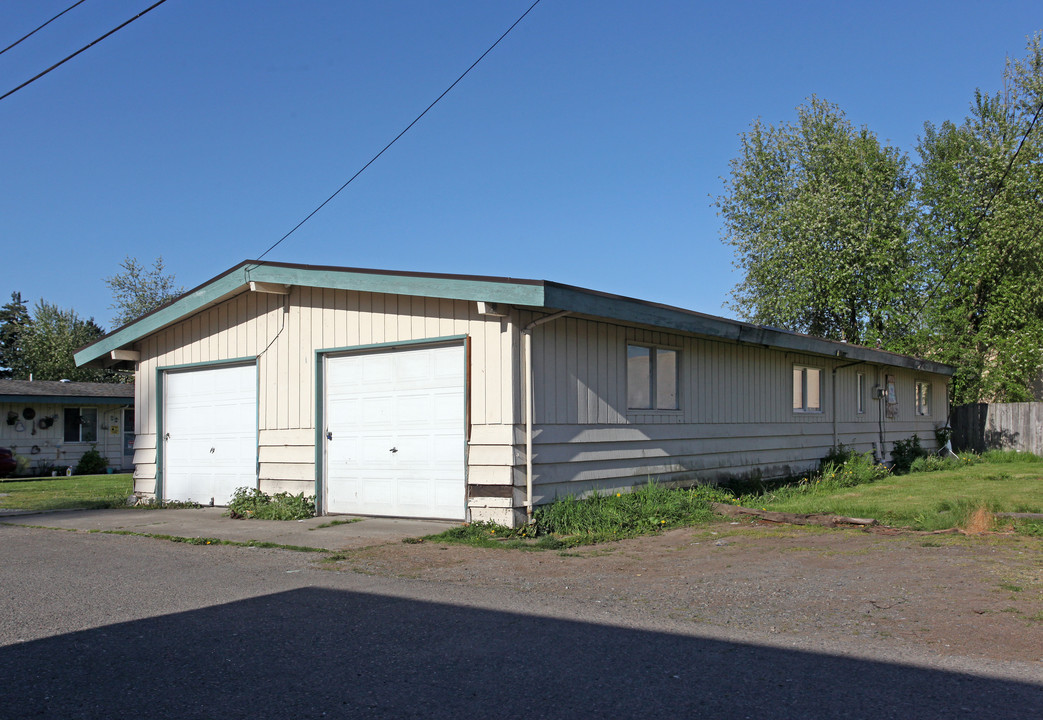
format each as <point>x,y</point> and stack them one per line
<point>49,341</point>
<point>981,231</point>
<point>820,215</point>
<point>138,289</point>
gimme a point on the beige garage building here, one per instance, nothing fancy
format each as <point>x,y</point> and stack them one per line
<point>475,398</point>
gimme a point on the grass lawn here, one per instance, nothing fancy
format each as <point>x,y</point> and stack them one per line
<point>64,493</point>
<point>935,500</point>
<point>924,500</point>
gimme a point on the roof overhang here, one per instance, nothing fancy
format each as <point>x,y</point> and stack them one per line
<point>258,276</point>
<point>66,400</point>
<point>597,304</point>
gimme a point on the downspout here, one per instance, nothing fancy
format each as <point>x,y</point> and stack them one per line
<point>881,394</point>
<point>835,368</point>
<point>529,376</point>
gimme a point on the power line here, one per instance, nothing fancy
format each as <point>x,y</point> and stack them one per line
<point>85,47</point>
<point>415,121</point>
<point>26,37</point>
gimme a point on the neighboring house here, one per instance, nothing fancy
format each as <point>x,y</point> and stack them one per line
<point>402,394</point>
<point>52,424</point>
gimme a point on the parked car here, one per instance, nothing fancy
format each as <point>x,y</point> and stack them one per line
<point>7,462</point>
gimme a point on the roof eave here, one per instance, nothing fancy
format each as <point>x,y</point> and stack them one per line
<point>626,309</point>
<point>237,280</point>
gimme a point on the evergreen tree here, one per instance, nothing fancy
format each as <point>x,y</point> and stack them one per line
<point>14,319</point>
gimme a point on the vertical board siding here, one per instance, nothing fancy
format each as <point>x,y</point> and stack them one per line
<point>736,416</point>
<point>283,333</point>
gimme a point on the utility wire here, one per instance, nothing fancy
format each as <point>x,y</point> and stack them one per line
<point>26,37</point>
<point>85,47</point>
<point>408,127</point>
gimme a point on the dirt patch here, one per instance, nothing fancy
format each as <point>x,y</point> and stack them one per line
<point>980,521</point>
<point>976,596</point>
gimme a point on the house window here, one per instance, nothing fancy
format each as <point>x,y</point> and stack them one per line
<point>81,424</point>
<point>860,398</point>
<point>651,378</point>
<point>923,398</point>
<point>807,389</point>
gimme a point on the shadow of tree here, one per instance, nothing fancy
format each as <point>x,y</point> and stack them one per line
<point>328,653</point>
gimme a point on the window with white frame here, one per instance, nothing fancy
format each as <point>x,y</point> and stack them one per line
<point>860,398</point>
<point>923,398</point>
<point>807,389</point>
<point>81,424</point>
<point>652,377</point>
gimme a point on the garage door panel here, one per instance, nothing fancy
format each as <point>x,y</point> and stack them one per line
<point>375,450</point>
<point>410,400</point>
<point>210,416</point>
<point>377,410</point>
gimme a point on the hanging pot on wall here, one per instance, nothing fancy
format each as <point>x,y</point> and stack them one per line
<point>12,417</point>
<point>28,413</point>
<point>45,422</point>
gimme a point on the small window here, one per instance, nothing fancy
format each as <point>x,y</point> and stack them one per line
<point>807,389</point>
<point>651,378</point>
<point>923,398</point>
<point>81,424</point>
<point>860,398</point>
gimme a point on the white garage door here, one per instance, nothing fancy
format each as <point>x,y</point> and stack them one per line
<point>395,433</point>
<point>210,433</point>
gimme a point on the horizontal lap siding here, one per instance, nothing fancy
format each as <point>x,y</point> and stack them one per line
<point>284,337</point>
<point>736,416</point>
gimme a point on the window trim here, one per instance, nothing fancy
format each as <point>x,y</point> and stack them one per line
<point>653,377</point>
<point>80,412</point>
<point>804,409</point>
<point>922,393</point>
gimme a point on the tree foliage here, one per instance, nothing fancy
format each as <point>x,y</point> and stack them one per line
<point>138,289</point>
<point>819,213</point>
<point>14,319</point>
<point>840,237</point>
<point>49,341</point>
<point>981,228</point>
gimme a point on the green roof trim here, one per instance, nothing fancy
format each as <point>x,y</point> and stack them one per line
<point>535,294</point>
<point>591,302</point>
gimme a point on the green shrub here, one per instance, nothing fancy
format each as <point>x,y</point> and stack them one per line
<point>837,456</point>
<point>92,463</point>
<point>904,453</point>
<point>934,463</point>
<point>252,503</point>
<point>857,470</point>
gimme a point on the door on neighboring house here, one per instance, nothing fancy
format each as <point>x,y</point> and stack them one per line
<point>209,433</point>
<point>395,432</point>
<point>128,438</point>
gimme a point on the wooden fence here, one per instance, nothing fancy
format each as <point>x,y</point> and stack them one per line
<point>1005,426</point>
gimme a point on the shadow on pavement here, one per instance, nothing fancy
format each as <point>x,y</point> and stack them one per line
<point>328,653</point>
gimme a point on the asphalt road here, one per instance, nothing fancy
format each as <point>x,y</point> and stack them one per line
<point>104,626</point>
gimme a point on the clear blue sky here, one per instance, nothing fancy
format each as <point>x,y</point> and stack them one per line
<point>585,149</point>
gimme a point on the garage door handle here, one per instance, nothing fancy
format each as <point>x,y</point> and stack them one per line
<point>394,450</point>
